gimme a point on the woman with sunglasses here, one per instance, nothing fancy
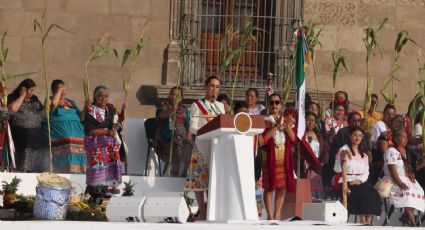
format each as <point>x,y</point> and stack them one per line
<point>277,166</point>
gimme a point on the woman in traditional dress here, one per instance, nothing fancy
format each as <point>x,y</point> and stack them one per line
<point>202,112</point>
<point>363,199</point>
<point>314,151</point>
<point>337,120</point>
<point>251,98</point>
<point>26,114</point>
<point>277,164</point>
<point>102,144</point>
<point>182,146</point>
<point>67,132</point>
<point>406,192</point>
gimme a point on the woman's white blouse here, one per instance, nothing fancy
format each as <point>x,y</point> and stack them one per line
<point>357,168</point>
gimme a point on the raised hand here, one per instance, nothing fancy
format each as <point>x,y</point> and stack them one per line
<point>23,92</point>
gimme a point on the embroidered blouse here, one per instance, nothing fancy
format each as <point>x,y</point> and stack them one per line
<point>357,168</point>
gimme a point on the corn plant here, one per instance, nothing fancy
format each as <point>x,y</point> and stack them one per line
<point>371,44</point>
<point>4,76</point>
<point>97,51</point>
<point>312,40</point>
<point>419,101</point>
<point>185,42</point>
<point>287,84</point>
<point>131,55</point>
<point>44,30</point>
<point>401,41</point>
<point>226,45</point>
<point>338,60</point>
<point>4,51</point>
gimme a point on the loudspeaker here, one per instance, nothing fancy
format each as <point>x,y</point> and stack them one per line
<point>125,209</point>
<point>330,211</point>
<point>165,207</point>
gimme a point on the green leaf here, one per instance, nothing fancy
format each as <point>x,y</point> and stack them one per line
<point>228,60</point>
<point>50,28</point>
<point>99,54</point>
<point>141,44</point>
<point>13,76</point>
<point>3,38</point>
<point>116,53</point>
<point>125,85</point>
<point>6,52</point>
<point>127,53</point>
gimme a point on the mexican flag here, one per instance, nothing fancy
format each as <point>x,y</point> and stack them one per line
<point>301,62</point>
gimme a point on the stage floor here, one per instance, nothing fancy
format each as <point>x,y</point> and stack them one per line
<point>65,225</point>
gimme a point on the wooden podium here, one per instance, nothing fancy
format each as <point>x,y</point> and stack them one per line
<point>231,194</point>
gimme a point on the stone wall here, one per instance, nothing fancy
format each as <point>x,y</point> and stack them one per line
<point>343,21</point>
<point>67,53</point>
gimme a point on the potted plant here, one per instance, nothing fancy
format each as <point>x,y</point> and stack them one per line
<point>128,189</point>
<point>10,190</point>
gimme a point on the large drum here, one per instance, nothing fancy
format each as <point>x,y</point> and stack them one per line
<point>52,196</point>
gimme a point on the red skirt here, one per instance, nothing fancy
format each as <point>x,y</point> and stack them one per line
<point>281,174</point>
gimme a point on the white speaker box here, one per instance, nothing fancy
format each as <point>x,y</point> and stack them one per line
<point>125,209</point>
<point>165,207</point>
<point>330,211</point>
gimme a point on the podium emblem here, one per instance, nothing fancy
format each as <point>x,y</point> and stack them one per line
<point>242,122</point>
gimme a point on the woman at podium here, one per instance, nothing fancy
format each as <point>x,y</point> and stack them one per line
<point>277,166</point>
<point>202,112</point>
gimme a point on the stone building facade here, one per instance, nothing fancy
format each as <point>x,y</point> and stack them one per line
<point>342,22</point>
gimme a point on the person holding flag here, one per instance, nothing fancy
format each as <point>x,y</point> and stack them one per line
<point>277,163</point>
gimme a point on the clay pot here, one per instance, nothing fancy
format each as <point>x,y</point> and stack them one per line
<point>8,199</point>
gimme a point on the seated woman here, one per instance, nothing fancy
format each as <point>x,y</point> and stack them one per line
<point>182,146</point>
<point>102,145</point>
<point>67,132</point>
<point>406,192</point>
<point>277,164</point>
<point>26,114</point>
<point>313,149</point>
<point>363,199</point>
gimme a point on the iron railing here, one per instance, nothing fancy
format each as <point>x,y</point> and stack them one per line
<point>269,52</point>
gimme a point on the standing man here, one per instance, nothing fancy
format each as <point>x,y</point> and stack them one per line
<point>202,112</point>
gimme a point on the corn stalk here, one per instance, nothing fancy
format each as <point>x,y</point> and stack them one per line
<point>97,51</point>
<point>5,77</point>
<point>338,60</point>
<point>4,51</point>
<point>185,42</point>
<point>419,101</point>
<point>371,44</point>
<point>132,55</point>
<point>287,84</point>
<point>312,40</point>
<point>226,45</point>
<point>402,39</point>
<point>44,30</point>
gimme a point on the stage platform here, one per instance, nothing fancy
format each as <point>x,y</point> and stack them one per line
<point>73,225</point>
